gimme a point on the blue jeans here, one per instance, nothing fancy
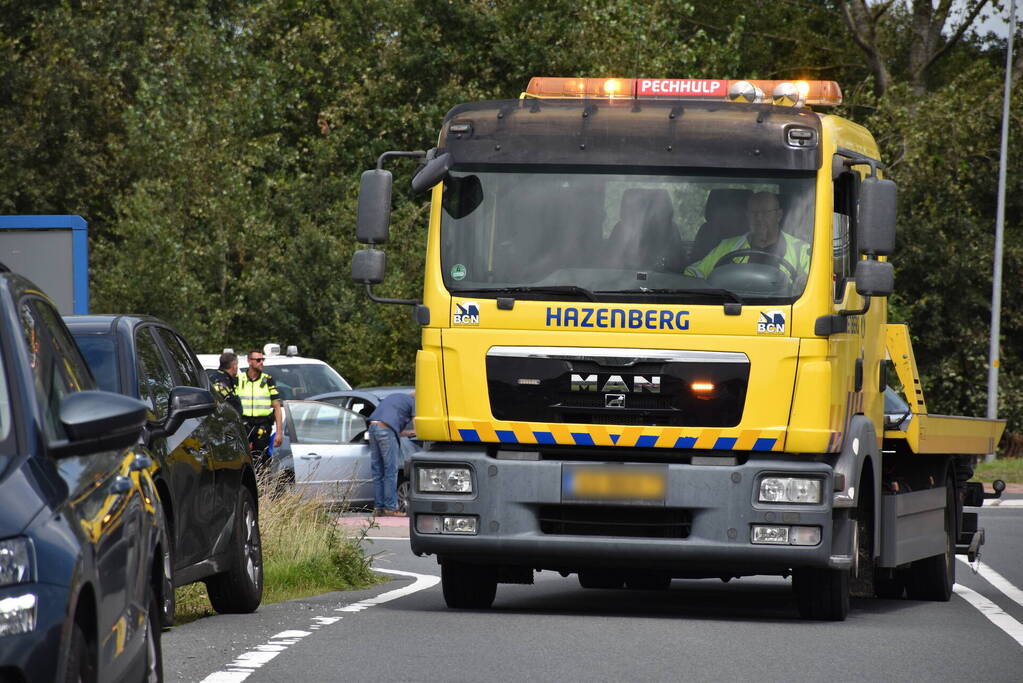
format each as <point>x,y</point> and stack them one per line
<point>384,452</point>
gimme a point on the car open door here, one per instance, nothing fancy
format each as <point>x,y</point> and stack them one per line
<point>330,453</point>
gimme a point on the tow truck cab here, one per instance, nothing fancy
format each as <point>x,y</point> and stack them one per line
<point>655,345</point>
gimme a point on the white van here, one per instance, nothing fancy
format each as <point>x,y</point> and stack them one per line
<point>296,377</point>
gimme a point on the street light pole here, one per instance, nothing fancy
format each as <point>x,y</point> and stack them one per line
<point>996,284</point>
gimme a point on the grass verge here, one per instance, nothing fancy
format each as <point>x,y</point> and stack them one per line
<point>305,552</point>
<point>1009,470</point>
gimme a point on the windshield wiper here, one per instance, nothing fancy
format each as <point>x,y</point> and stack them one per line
<point>716,293</point>
<point>540,289</point>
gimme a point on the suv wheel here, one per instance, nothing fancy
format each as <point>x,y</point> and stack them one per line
<point>240,589</point>
<point>154,651</point>
<point>80,667</point>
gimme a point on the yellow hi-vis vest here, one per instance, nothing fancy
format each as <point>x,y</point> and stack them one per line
<point>257,395</point>
<point>797,253</point>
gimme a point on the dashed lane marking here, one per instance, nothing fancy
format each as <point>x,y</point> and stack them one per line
<point>1004,503</point>
<point>995,614</point>
<point>245,664</point>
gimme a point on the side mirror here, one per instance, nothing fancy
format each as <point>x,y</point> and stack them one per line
<point>372,224</point>
<point>98,421</point>
<point>874,278</point>
<point>435,171</point>
<point>185,403</point>
<point>369,266</point>
<point>876,220</point>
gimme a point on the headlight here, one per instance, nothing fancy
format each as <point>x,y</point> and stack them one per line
<point>444,479</point>
<point>17,615</point>
<point>790,490</point>
<point>15,561</point>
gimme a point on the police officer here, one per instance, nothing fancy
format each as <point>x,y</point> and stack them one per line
<point>225,380</point>
<point>261,406</point>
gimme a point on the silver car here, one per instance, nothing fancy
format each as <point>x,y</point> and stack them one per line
<point>326,453</point>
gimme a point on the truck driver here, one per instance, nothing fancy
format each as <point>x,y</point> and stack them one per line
<point>765,235</point>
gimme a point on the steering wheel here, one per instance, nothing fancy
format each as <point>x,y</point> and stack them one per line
<point>774,259</point>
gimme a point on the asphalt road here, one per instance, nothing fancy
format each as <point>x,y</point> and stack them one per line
<point>555,630</point>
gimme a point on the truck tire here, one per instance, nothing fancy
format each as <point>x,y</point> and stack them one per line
<point>822,594</point>
<point>601,578</point>
<point>468,586</point>
<point>861,577</point>
<point>932,577</point>
<point>239,590</point>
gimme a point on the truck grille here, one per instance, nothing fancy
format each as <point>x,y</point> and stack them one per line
<point>616,386</point>
<point>616,521</point>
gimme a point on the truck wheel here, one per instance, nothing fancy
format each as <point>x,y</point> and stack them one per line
<point>601,578</point>
<point>239,590</point>
<point>648,581</point>
<point>468,586</point>
<point>822,594</point>
<point>932,577</point>
<point>861,576</point>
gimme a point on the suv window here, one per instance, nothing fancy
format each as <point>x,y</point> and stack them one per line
<point>188,371</point>
<point>155,381</point>
<point>57,367</point>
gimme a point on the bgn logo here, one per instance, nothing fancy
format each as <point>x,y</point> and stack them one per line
<point>771,322</point>
<point>467,313</point>
<point>617,384</point>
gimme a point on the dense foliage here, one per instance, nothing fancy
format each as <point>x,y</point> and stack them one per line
<point>215,146</point>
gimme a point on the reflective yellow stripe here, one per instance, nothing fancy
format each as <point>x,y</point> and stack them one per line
<point>256,396</point>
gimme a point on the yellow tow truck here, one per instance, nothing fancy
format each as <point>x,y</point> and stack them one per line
<point>655,345</point>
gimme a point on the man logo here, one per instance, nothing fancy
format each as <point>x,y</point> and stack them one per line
<point>771,322</point>
<point>467,313</point>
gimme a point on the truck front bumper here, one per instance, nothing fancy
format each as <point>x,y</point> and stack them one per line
<point>702,527</point>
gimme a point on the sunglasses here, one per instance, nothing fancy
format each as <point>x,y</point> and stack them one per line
<point>257,360</point>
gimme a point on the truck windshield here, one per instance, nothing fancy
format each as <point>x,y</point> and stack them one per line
<point>618,236</point>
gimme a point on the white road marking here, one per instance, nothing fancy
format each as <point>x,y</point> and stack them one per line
<point>993,612</point>
<point>996,580</point>
<point>245,664</point>
<point>1004,502</point>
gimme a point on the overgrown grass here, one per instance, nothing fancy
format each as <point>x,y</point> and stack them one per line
<point>1010,470</point>
<point>305,552</point>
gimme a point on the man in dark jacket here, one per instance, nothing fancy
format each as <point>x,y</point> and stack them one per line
<point>390,421</point>
<point>225,380</point>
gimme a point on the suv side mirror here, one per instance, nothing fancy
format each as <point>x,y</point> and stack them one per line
<point>435,171</point>
<point>874,278</point>
<point>98,421</point>
<point>876,220</point>
<point>372,225</point>
<point>185,403</point>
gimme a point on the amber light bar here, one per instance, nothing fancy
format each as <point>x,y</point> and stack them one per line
<point>824,93</point>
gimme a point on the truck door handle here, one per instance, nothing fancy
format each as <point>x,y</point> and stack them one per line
<point>311,456</point>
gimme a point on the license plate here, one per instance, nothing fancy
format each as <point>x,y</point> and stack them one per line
<point>613,483</point>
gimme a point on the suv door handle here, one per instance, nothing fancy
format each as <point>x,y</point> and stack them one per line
<point>311,456</point>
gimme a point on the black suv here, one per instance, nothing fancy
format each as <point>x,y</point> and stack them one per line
<point>81,533</point>
<point>205,477</point>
